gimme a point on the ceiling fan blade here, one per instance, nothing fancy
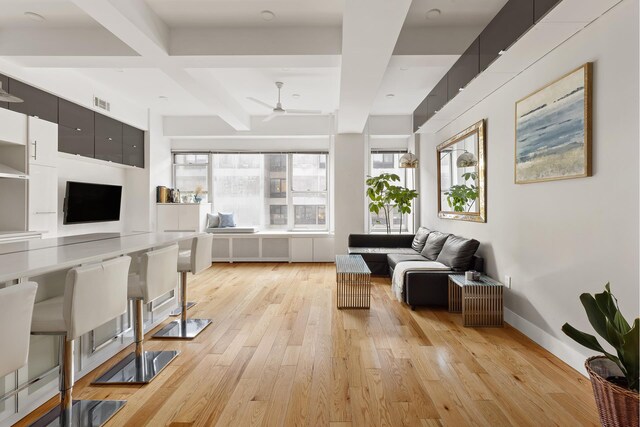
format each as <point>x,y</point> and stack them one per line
<point>257,101</point>
<point>295,111</point>
<point>270,117</point>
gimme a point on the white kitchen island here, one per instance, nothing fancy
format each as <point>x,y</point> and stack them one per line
<point>47,261</point>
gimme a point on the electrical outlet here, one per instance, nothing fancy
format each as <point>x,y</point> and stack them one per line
<point>507,281</point>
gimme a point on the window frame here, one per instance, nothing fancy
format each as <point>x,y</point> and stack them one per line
<point>291,226</point>
<point>408,219</point>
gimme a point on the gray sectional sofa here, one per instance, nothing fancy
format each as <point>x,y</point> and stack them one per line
<point>383,252</point>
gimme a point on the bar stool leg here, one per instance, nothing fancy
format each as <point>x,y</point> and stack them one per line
<point>184,304</point>
<point>78,413</point>
<point>184,328</point>
<point>139,366</point>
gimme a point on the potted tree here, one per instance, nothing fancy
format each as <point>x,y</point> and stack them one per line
<point>614,377</point>
<point>385,196</point>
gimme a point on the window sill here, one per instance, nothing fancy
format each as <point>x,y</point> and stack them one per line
<point>277,233</point>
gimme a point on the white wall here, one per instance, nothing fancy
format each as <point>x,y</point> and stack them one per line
<point>97,173</point>
<point>559,239</point>
<point>349,161</point>
<point>158,157</point>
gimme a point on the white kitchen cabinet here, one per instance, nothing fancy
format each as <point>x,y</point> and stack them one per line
<point>13,127</point>
<point>182,216</point>
<point>43,199</point>
<point>43,142</point>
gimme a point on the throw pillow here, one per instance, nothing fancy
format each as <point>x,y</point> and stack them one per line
<point>213,220</point>
<point>457,252</point>
<point>226,220</point>
<point>433,245</point>
<point>420,239</point>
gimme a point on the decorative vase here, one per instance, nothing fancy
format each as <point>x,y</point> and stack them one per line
<point>617,406</point>
<point>197,199</point>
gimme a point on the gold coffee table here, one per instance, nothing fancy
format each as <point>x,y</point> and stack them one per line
<point>479,301</point>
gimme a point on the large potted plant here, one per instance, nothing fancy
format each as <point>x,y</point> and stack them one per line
<point>614,377</point>
<point>385,196</point>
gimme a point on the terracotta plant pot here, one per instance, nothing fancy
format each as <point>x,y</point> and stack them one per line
<point>617,406</point>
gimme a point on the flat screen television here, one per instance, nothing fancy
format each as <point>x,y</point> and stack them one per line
<point>87,202</point>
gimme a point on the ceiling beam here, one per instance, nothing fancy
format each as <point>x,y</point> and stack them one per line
<point>133,22</point>
<point>196,61</point>
<point>370,30</point>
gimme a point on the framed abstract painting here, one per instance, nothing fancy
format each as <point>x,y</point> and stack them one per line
<point>553,130</point>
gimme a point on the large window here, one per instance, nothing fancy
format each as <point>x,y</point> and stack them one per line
<point>387,162</point>
<point>190,172</point>
<point>273,191</point>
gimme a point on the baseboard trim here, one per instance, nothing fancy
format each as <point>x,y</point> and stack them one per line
<point>550,343</point>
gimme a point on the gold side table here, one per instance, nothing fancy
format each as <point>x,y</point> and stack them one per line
<point>481,301</point>
<point>353,279</point>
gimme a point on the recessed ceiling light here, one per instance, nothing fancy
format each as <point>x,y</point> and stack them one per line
<point>296,95</point>
<point>285,69</point>
<point>267,15</point>
<point>163,98</point>
<point>389,95</point>
<point>35,17</point>
<point>404,68</point>
<point>433,13</point>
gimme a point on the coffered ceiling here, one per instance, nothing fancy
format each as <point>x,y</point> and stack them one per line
<point>206,57</point>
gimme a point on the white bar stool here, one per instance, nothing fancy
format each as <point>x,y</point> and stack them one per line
<point>196,260</point>
<point>16,308</point>
<point>93,295</point>
<point>157,277</point>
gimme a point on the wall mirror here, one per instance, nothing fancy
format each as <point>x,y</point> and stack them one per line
<point>461,175</point>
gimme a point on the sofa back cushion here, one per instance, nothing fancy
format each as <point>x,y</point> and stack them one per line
<point>457,252</point>
<point>380,240</point>
<point>420,239</point>
<point>433,245</point>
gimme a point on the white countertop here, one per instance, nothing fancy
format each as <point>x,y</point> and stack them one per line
<point>32,258</point>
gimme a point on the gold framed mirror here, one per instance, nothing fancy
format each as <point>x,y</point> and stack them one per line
<point>462,175</point>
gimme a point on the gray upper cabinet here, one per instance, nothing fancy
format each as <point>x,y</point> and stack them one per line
<point>437,97</point>
<point>513,20</point>
<point>36,102</point>
<point>5,85</point>
<point>541,7</point>
<point>464,70</point>
<point>108,139</point>
<point>132,146</point>
<point>75,129</point>
<point>420,115</point>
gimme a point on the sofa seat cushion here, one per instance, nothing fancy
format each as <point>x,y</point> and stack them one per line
<point>457,252</point>
<point>379,254</point>
<point>433,245</point>
<point>394,259</point>
<point>420,238</point>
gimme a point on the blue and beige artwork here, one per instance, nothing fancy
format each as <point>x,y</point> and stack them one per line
<point>550,131</point>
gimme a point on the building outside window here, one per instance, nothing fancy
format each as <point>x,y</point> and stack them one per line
<point>387,162</point>
<point>275,190</point>
<point>191,171</point>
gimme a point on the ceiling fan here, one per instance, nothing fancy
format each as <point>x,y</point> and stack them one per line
<point>278,110</point>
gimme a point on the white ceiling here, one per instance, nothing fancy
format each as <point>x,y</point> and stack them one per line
<point>202,73</point>
<point>246,13</point>
<point>453,12</point>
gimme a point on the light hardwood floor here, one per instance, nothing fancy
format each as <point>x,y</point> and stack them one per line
<point>280,353</point>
